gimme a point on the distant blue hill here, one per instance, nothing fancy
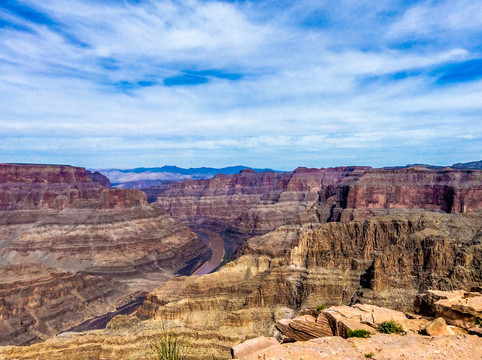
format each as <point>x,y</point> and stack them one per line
<point>473,165</point>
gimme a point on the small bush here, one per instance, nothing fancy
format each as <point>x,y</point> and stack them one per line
<point>320,307</point>
<point>478,321</point>
<point>167,347</point>
<point>358,333</point>
<point>390,327</point>
<point>369,355</point>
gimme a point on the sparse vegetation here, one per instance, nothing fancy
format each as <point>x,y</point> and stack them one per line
<point>391,327</point>
<point>358,333</point>
<point>167,347</point>
<point>320,307</point>
<point>478,321</point>
<point>369,355</point>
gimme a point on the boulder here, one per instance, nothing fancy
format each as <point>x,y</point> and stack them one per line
<point>305,327</point>
<point>437,327</point>
<point>253,345</point>
<point>459,308</point>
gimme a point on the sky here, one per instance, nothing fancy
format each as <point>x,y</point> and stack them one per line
<point>278,84</point>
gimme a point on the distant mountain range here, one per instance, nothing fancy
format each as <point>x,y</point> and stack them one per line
<point>473,165</point>
<point>142,177</point>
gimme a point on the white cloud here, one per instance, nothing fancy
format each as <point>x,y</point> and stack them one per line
<point>305,90</point>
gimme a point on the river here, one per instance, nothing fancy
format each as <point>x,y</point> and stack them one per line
<point>215,243</point>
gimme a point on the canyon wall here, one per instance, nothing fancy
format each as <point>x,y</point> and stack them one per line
<point>251,203</point>
<point>37,302</point>
<point>68,219</point>
<point>384,260</point>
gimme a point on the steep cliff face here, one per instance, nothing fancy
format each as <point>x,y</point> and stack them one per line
<point>26,186</point>
<point>252,203</point>
<point>446,190</point>
<point>58,217</point>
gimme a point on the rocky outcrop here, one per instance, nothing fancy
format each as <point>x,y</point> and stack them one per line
<point>37,302</point>
<point>460,308</point>
<point>305,327</point>
<point>339,320</point>
<point>380,346</point>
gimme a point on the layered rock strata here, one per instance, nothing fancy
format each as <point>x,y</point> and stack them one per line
<point>460,308</point>
<point>58,216</point>
<point>27,186</point>
<point>65,218</point>
<point>37,302</point>
<point>251,203</point>
<point>384,261</point>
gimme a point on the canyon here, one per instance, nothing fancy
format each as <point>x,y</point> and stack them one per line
<point>296,240</point>
<point>71,227</point>
<point>249,203</point>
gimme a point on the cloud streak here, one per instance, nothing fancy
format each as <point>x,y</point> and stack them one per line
<point>267,84</point>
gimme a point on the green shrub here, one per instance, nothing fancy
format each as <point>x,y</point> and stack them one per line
<point>369,355</point>
<point>167,347</point>
<point>478,321</point>
<point>320,307</point>
<point>358,333</point>
<point>390,327</point>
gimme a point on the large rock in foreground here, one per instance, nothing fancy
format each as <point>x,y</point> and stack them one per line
<point>459,308</point>
<point>380,346</point>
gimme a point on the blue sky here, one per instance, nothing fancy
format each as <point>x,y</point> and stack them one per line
<point>262,83</point>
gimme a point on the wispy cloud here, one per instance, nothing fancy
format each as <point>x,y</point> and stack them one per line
<point>264,83</point>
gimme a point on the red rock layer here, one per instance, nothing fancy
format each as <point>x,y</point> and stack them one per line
<point>26,186</point>
<point>250,202</point>
<point>254,203</point>
<point>447,190</point>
